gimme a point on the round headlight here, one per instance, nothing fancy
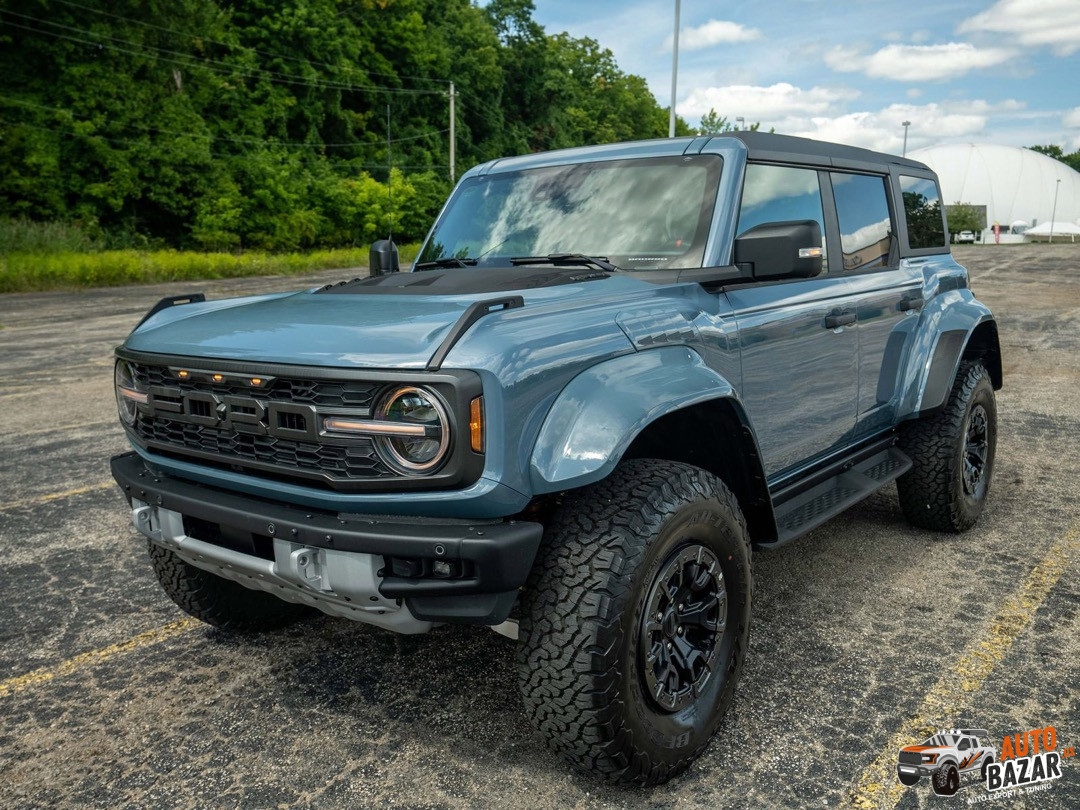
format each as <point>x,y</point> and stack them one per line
<point>425,436</point>
<point>124,379</point>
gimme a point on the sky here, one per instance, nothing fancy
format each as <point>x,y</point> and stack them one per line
<point>982,71</point>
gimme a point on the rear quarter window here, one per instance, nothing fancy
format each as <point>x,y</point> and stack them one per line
<point>866,231</point>
<point>922,211</point>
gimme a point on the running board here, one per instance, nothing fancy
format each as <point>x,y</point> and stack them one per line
<point>805,511</point>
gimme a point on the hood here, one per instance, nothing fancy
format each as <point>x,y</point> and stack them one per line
<point>380,329</point>
<point>921,748</point>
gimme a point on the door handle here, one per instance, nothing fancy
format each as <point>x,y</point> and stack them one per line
<point>836,319</point>
<point>911,302</point>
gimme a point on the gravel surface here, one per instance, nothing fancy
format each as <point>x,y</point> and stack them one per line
<point>108,701</point>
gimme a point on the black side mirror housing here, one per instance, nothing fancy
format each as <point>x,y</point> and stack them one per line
<point>383,257</point>
<point>781,250</point>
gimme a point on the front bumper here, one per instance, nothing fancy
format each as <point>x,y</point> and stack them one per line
<point>337,562</point>
<point>921,771</point>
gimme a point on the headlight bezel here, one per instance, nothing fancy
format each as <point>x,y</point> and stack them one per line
<point>127,392</point>
<point>390,447</point>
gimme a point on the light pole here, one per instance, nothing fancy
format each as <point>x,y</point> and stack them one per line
<point>740,121</point>
<point>905,124</point>
<point>674,72</point>
<point>1053,216</point>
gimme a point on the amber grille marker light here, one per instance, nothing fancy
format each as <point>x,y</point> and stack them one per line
<point>476,424</point>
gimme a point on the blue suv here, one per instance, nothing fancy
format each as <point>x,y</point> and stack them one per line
<point>611,373</point>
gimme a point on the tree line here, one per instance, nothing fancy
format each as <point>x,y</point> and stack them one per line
<point>232,124</point>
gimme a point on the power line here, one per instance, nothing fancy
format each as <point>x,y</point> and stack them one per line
<point>191,61</point>
<point>246,47</point>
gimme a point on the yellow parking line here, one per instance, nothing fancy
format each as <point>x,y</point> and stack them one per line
<point>877,786</point>
<point>94,657</point>
<point>54,496</point>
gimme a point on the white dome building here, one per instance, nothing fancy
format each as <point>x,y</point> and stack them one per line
<point>1016,185</point>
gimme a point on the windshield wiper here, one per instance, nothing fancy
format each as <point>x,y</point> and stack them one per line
<point>568,260</point>
<point>448,261</point>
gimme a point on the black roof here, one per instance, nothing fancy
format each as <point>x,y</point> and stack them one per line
<point>787,148</point>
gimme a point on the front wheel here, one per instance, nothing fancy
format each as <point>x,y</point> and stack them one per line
<point>635,621</point>
<point>907,779</point>
<point>946,780</point>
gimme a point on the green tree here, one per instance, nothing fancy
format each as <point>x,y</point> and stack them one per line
<point>965,217</point>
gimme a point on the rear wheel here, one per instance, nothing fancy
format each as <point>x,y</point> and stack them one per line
<point>218,601</point>
<point>953,456</point>
<point>635,621</point>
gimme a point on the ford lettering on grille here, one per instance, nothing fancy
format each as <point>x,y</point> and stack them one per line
<point>283,420</point>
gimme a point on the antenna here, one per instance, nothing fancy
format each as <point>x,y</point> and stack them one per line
<point>389,180</point>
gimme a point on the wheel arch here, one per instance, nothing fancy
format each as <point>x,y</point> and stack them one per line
<point>976,339</point>
<point>662,403</point>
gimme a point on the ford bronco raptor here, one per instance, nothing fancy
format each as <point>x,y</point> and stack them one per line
<point>945,757</point>
<point>610,373</point>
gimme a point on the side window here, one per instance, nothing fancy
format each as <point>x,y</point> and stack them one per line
<point>862,206</point>
<point>922,210</point>
<point>963,746</point>
<point>781,194</point>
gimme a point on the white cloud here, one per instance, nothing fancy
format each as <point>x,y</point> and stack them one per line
<point>1071,119</point>
<point>916,63</point>
<point>756,103</point>
<point>1053,23</point>
<point>883,130</point>
<point>714,32</point>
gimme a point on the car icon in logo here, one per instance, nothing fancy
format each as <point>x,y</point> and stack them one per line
<point>945,758</point>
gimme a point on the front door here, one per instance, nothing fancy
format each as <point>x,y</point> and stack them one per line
<point>797,338</point>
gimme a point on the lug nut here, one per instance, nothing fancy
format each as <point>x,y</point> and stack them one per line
<point>680,630</point>
<point>669,645</point>
<point>682,607</point>
<point>659,616</point>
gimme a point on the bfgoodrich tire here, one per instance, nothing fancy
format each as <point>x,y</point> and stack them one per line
<point>218,601</point>
<point>953,456</point>
<point>635,621</point>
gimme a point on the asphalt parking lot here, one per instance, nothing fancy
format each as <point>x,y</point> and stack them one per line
<point>865,633</point>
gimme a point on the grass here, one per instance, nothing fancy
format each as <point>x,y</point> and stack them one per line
<point>49,269</point>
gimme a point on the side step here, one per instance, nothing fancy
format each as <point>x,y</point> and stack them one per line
<point>800,513</point>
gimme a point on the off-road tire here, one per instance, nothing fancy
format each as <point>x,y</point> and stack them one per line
<point>578,655</point>
<point>218,601</point>
<point>932,492</point>
<point>946,780</point>
<point>907,779</point>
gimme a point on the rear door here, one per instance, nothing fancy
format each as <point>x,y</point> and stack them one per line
<point>797,338</point>
<point>889,293</point>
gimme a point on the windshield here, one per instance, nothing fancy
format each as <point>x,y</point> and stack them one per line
<point>640,214</point>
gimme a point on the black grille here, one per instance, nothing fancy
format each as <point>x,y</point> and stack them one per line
<point>241,445</point>
<point>910,758</point>
<point>328,394</point>
<point>357,460</point>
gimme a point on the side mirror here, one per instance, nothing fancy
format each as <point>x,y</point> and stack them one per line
<point>383,258</point>
<point>781,250</point>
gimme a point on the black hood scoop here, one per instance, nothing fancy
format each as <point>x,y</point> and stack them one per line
<point>465,281</point>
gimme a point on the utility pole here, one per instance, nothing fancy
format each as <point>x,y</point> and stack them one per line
<point>674,72</point>
<point>1053,216</point>
<point>905,125</point>
<point>453,167</point>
